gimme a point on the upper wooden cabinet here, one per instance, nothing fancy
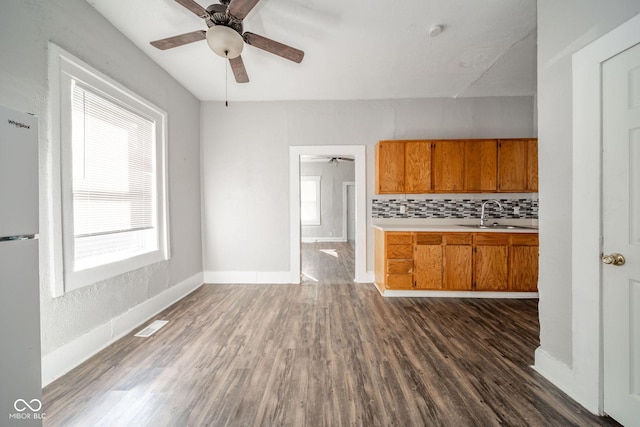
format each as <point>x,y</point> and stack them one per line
<point>481,165</point>
<point>532,165</point>
<point>457,166</point>
<point>447,166</point>
<point>417,166</point>
<point>390,167</point>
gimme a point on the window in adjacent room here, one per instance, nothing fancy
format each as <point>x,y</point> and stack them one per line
<point>310,200</point>
<point>112,177</point>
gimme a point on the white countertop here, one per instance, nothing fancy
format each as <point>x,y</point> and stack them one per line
<point>454,225</point>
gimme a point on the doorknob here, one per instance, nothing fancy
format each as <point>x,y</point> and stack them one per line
<point>615,259</point>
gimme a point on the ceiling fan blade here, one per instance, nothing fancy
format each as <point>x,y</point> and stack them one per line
<point>272,46</point>
<point>180,40</point>
<point>239,72</point>
<point>194,7</point>
<point>241,8</point>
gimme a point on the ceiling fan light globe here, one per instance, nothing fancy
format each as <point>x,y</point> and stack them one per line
<point>225,41</point>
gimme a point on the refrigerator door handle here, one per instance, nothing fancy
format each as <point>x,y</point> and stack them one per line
<point>19,237</point>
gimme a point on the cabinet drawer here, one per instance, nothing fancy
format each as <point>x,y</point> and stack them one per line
<point>458,239</point>
<point>399,239</point>
<point>400,266</point>
<point>428,239</point>
<point>404,281</point>
<point>524,239</point>
<point>399,251</point>
<point>492,239</point>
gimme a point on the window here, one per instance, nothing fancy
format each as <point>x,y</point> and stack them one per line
<point>112,177</point>
<point>310,200</point>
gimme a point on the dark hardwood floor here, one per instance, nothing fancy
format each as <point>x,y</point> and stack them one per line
<point>320,354</point>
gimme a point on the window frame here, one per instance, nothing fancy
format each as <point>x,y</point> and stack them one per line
<point>66,68</point>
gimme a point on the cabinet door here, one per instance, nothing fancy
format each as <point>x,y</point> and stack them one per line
<point>512,165</point>
<point>523,268</point>
<point>448,166</point>
<point>427,273</point>
<point>457,268</point>
<point>490,262</point>
<point>417,160</point>
<point>390,167</point>
<point>523,263</point>
<point>481,165</point>
<point>532,165</point>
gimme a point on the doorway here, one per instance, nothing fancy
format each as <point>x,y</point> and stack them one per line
<point>327,257</point>
<point>357,152</point>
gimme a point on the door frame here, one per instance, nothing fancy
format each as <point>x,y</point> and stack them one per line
<point>586,381</point>
<point>345,219</point>
<point>359,154</point>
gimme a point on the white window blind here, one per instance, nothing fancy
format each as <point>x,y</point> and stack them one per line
<point>114,196</point>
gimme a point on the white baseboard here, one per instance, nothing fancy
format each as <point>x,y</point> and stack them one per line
<point>323,239</point>
<point>459,294</point>
<point>61,360</point>
<point>247,277</point>
<point>560,374</point>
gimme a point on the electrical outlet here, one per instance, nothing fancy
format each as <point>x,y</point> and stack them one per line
<point>516,210</point>
<point>403,209</point>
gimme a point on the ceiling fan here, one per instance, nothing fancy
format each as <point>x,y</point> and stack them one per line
<point>333,160</point>
<point>225,34</point>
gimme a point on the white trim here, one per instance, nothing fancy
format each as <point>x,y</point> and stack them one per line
<point>583,380</point>
<point>345,186</point>
<point>359,153</point>
<point>61,360</point>
<point>323,239</point>
<point>553,370</point>
<point>248,277</point>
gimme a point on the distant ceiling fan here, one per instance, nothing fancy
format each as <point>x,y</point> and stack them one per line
<point>225,34</point>
<point>333,160</point>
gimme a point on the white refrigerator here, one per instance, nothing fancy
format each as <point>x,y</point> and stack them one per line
<point>20,358</point>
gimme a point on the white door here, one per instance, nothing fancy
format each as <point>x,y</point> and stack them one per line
<point>621,234</point>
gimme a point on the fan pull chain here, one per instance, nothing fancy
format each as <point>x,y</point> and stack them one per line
<point>226,80</point>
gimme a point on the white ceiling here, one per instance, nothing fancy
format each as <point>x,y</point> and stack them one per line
<point>354,49</point>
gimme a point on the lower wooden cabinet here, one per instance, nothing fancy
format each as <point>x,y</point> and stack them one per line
<point>457,261</point>
<point>427,261</point>
<point>491,261</point>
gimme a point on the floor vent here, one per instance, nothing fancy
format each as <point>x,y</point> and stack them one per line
<point>151,329</point>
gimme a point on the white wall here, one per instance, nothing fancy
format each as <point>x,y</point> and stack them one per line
<point>331,206</point>
<point>245,161</point>
<point>563,29</point>
<point>26,27</point>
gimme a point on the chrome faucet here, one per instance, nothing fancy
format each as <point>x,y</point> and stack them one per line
<point>482,212</point>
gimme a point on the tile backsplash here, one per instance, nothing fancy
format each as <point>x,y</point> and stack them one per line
<point>453,208</point>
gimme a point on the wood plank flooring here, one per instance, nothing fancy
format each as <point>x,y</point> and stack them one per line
<point>327,263</point>
<point>320,355</point>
